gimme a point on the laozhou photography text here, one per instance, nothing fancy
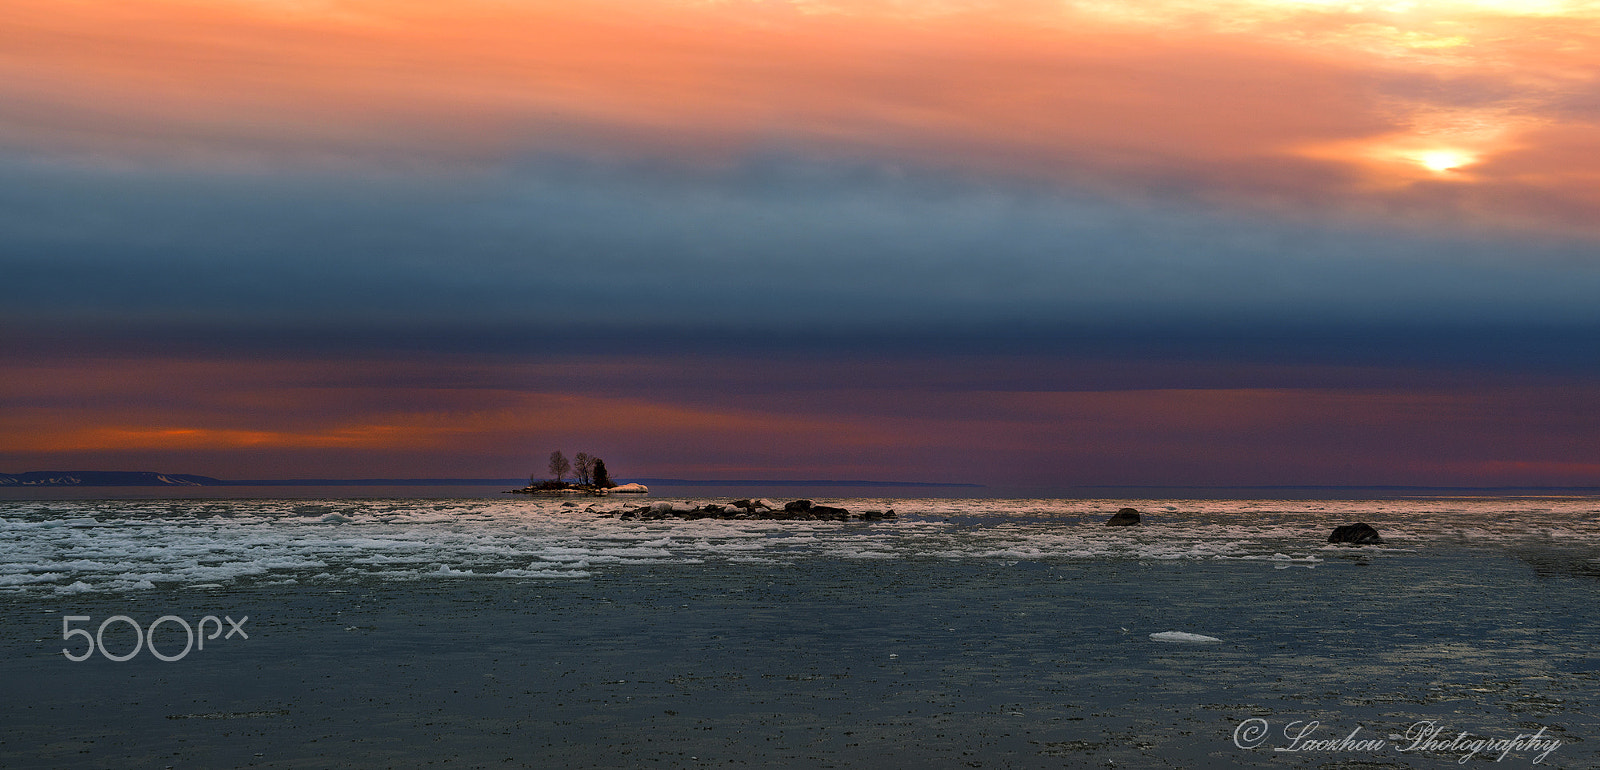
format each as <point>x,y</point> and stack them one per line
<point>1426,736</point>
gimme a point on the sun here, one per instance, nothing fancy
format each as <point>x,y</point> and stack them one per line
<point>1440,161</point>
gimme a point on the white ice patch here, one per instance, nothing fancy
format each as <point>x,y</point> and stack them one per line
<point>1181,636</point>
<point>25,579</point>
<point>540,573</point>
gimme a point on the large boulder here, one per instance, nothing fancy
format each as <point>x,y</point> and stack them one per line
<point>1355,534</point>
<point>797,506</point>
<point>1127,517</point>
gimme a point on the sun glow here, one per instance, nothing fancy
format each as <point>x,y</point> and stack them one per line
<point>1405,159</point>
<point>1440,161</point>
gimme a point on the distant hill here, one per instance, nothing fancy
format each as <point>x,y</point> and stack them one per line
<point>105,479</point>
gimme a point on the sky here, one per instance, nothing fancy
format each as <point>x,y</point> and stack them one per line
<point>1008,242</point>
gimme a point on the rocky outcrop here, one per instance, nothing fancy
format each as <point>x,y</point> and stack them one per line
<point>1127,517</point>
<point>563,488</point>
<point>798,510</point>
<point>1355,534</point>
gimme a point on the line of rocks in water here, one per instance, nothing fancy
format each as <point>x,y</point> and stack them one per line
<point>805,510</point>
<point>796,510</point>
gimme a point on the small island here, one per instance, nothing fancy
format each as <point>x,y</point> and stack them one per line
<point>592,478</point>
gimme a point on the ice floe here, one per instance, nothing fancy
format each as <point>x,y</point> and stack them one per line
<point>110,546</point>
<point>1182,636</point>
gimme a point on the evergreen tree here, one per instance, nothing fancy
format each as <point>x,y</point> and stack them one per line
<point>602,480</point>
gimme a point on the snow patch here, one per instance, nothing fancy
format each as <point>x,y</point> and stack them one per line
<point>1181,636</point>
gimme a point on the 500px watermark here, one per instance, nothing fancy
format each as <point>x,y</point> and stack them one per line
<point>1426,735</point>
<point>146,637</point>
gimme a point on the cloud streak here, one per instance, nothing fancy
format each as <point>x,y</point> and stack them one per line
<point>769,246</point>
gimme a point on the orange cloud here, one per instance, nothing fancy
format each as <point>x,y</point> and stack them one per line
<point>1308,102</point>
<point>361,408</point>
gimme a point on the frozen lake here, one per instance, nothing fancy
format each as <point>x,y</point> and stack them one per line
<point>993,633</point>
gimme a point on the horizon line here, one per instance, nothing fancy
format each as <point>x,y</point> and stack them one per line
<point>200,480</point>
<point>145,478</point>
<point>666,482</point>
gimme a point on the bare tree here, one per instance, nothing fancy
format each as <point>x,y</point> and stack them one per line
<point>583,465</point>
<point>559,465</point>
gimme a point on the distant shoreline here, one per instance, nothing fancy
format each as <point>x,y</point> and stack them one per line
<point>152,479</point>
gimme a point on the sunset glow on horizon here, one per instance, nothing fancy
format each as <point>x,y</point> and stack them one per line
<point>1206,238</point>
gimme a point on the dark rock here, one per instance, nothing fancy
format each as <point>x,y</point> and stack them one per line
<point>798,506</point>
<point>828,512</point>
<point>1127,517</point>
<point>1355,534</point>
